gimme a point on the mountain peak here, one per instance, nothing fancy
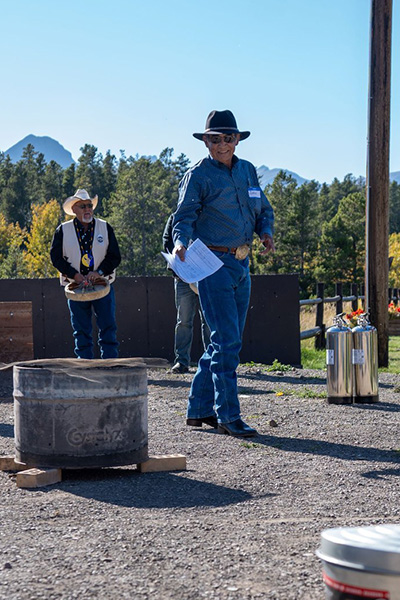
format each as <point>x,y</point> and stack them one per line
<point>51,149</point>
<point>267,175</point>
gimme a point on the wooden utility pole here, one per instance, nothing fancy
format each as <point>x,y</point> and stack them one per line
<point>377,200</point>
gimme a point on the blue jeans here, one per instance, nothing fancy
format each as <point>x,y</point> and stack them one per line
<point>224,298</point>
<point>81,320</point>
<point>187,303</point>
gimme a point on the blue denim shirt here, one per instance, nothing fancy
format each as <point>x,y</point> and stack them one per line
<point>221,206</point>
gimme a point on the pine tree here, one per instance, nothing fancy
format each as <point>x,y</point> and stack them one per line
<point>342,245</point>
<point>145,195</point>
<point>68,182</point>
<point>51,182</point>
<point>394,207</point>
<point>89,173</point>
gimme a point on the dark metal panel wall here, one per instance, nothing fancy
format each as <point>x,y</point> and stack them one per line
<point>146,318</point>
<point>132,318</point>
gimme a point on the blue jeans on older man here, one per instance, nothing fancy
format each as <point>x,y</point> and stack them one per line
<point>81,320</point>
<point>187,304</point>
<point>224,297</point>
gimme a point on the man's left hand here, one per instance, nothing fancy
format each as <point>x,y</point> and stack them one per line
<point>268,243</point>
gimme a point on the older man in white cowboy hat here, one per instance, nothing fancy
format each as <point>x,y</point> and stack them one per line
<point>83,250</point>
<point>221,203</point>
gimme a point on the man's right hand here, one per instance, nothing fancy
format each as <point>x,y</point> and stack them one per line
<point>180,251</point>
<point>78,278</point>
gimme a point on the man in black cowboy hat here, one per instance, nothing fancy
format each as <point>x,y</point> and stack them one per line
<point>221,203</point>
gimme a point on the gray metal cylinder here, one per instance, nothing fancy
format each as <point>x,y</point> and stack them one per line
<point>361,562</point>
<point>365,362</point>
<point>80,417</point>
<point>339,375</point>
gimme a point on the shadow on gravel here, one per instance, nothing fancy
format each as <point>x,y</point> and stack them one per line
<point>6,430</point>
<point>384,406</point>
<point>381,474</point>
<point>269,378</point>
<point>169,383</point>
<point>286,379</point>
<point>387,385</point>
<point>127,487</point>
<point>322,448</point>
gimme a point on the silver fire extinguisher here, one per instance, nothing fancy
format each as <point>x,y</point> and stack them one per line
<point>339,371</point>
<point>365,361</point>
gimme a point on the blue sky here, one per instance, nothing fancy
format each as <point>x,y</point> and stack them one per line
<point>141,76</point>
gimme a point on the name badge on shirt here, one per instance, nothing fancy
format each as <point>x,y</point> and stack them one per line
<point>254,192</point>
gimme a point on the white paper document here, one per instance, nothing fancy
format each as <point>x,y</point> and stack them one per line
<point>199,263</point>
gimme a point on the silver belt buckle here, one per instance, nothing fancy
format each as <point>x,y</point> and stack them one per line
<point>242,252</point>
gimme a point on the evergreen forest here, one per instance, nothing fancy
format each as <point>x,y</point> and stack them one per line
<point>319,228</point>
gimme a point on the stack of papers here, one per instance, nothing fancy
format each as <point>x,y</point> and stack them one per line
<point>199,263</point>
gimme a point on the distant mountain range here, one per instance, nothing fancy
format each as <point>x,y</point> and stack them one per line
<point>267,175</point>
<point>53,150</point>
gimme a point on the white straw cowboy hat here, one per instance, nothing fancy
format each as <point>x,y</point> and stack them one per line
<point>79,195</point>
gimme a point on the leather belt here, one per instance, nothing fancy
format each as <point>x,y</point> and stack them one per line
<point>222,249</point>
<point>241,252</point>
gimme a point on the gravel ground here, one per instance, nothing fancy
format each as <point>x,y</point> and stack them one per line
<point>243,521</point>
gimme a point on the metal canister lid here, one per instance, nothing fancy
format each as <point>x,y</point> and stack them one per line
<point>337,329</point>
<point>375,548</point>
<point>362,328</point>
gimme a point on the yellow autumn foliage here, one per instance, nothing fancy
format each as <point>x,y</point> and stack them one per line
<point>45,219</point>
<point>394,251</point>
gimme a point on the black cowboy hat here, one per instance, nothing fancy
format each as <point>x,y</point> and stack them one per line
<point>221,121</point>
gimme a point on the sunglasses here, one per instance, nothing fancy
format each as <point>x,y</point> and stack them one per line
<point>218,139</point>
<point>83,206</point>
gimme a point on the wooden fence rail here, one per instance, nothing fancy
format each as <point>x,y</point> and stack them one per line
<point>356,294</point>
<point>319,330</point>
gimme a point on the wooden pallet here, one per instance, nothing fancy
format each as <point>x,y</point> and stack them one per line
<point>29,476</point>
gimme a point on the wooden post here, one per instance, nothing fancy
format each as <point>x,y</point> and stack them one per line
<point>363,300</point>
<point>319,319</point>
<point>377,188</point>
<point>339,303</point>
<point>354,292</point>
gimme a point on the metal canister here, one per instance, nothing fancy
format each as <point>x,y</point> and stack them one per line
<point>365,361</point>
<point>361,562</point>
<point>339,372</point>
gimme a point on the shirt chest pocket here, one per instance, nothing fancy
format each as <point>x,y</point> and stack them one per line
<point>254,198</point>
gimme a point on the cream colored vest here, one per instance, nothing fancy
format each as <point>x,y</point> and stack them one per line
<point>72,251</point>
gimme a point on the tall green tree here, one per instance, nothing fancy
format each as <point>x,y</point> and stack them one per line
<point>109,179</point>
<point>341,254</point>
<point>331,195</point>
<point>51,182</point>
<point>280,194</point>
<point>296,228</point>
<point>145,195</point>
<point>89,173</point>
<point>68,182</point>
<point>15,203</point>
<point>394,207</point>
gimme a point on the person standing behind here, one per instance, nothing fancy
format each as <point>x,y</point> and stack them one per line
<point>84,249</point>
<point>221,203</point>
<point>186,303</point>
